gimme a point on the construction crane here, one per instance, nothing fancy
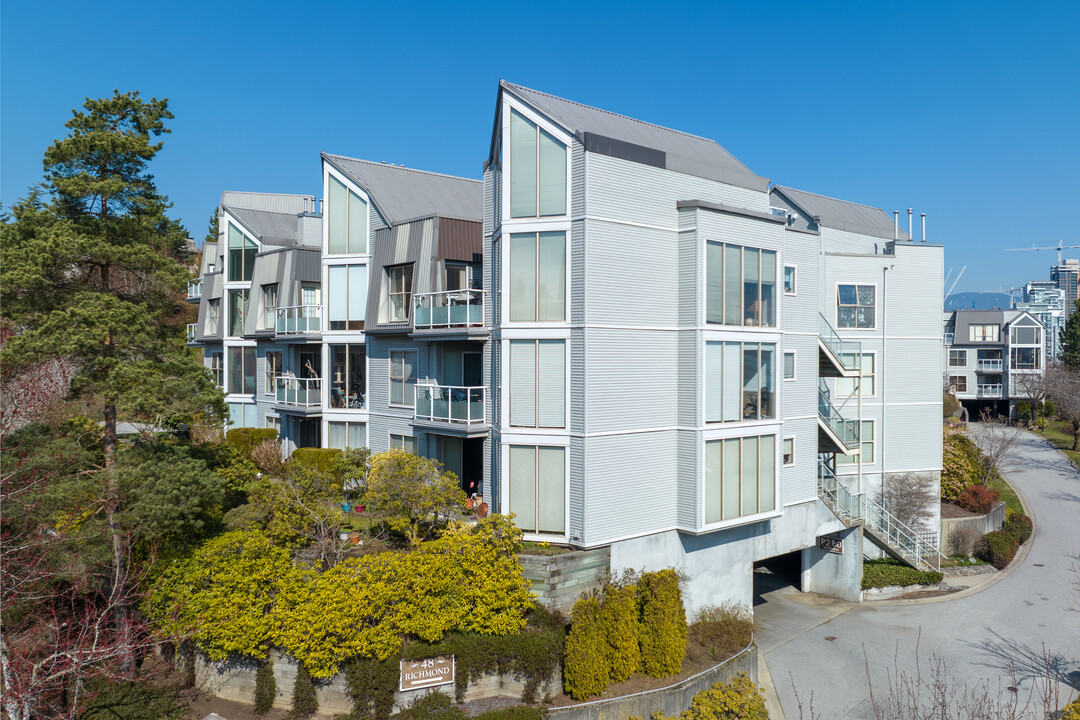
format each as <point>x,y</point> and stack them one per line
<point>1059,248</point>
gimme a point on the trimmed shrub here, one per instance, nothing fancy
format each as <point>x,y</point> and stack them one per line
<point>663,623</point>
<point>737,699</point>
<point>1020,527</point>
<point>323,460</point>
<point>977,499</point>
<point>518,712</point>
<point>585,665</point>
<point>370,683</point>
<point>889,572</point>
<point>1023,411</point>
<point>432,706</point>
<point>304,701</point>
<point>265,687</point>
<point>1000,548</point>
<point>620,618</point>
<point>245,439</point>
<point>960,460</point>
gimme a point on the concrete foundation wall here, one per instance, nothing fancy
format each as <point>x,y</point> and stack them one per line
<point>989,522</point>
<point>559,580</point>
<point>836,575</point>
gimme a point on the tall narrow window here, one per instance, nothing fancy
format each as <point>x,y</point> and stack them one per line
<point>789,366</point>
<point>241,255</point>
<point>400,279</point>
<point>740,477</point>
<point>213,313</point>
<point>537,170</point>
<point>740,381</point>
<point>537,383</point>
<point>242,370</point>
<point>855,305</point>
<point>348,382</point>
<point>270,302</point>
<point>403,377</point>
<point>238,304</point>
<point>538,277</point>
<point>789,279</point>
<point>346,296</point>
<point>217,369</point>
<point>273,369</point>
<point>740,285</point>
<point>347,220</point>
<point>538,488</point>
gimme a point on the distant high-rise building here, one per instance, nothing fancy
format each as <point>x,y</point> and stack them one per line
<point>1046,301</point>
<point>1065,276</point>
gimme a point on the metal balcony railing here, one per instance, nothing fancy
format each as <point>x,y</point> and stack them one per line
<point>847,351</point>
<point>302,392</point>
<point>192,331</point>
<point>989,391</point>
<point>452,404</point>
<point>988,365</point>
<point>846,430</point>
<point>194,288</point>
<point>298,319</point>
<point>948,339</point>
<point>448,309</point>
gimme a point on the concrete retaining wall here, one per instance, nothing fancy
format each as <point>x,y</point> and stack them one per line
<point>559,580</point>
<point>670,701</point>
<point>989,522</point>
<point>235,680</point>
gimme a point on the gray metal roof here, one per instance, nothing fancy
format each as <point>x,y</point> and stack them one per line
<point>405,194</point>
<point>683,152</point>
<point>271,228</point>
<point>841,214</point>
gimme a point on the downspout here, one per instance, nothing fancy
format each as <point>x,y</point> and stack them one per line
<point>884,345</point>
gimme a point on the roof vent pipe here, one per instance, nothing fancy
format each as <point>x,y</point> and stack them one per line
<point>924,227</point>
<point>896,225</point>
<point>910,227</point>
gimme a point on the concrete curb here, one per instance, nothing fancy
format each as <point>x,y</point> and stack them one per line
<point>768,689</point>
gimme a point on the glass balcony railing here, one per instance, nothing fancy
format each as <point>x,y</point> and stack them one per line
<point>988,366</point>
<point>450,404</point>
<point>303,392</point>
<point>848,352</point>
<point>298,319</point>
<point>192,331</point>
<point>846,430</point>
<point>194,289</point>
<point>948,338</point>
<point>989,391</point>
<point>448,309</point>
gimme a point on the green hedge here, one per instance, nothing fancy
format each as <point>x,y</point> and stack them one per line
<point>886,572</point>
<point>622,630</point>
<point>323,460</point>
<point>586,671</point>
<point>663,624</point>
<point>1000,548</point>
<point>518,712</point>
<point>245,439</point>
<point>1019,526</point>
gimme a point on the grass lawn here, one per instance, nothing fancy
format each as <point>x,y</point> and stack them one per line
<point>1059,434</point>
<point>1012,501</point>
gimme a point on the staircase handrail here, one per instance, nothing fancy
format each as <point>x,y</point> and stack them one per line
<point>848,352</point>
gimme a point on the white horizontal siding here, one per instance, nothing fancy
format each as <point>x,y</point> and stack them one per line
<point>630,485</point>
<point>633,379</point>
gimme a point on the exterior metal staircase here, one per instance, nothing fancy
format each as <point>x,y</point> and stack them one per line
<point>917,549</point>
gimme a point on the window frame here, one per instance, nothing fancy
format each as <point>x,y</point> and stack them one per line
<point>538,391</point>
<point>773,416</point>
<point>536,234</point>
<point>391,378</point>
<point>347,423</point>
<point>536,447</point>
<point>963,352</point>
<point>347,376</point>
<point>1036,362</point>
<point>277,368</point>
<point>794,366</point>
<point>842,459</point>
<point>394,446</point>
<point>777,464</point>
<point>508,180</point>
<point>983,339</point>
<point>245,240</point>
<point>857,306</point>
<point>783,462</point>
<point>794,280</point>
<point>213,315</point>
<point>217,369</point>
<point>406,292</point>
<point>269,310</point>
<point>743,311</point>
<point>955,386</point>
<point>349,191</point>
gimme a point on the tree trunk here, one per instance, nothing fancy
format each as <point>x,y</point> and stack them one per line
<point>121,610</point>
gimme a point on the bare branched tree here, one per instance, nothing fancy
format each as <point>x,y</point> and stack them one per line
<point>997,440</point>
<point>1063,388</point>
<point>911,497</point>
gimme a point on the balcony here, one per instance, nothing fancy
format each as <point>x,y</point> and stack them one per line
<point>948,339</point>
<point>298,320</point>
<point>192,331</point>
<point>194,289</point>
<point>297,392</point>
<point>989,391</point>
<point>457,312</point>
<point>835,433</point>
<point>449,406</point>
<point>836,357</point>
<point>988,366</point>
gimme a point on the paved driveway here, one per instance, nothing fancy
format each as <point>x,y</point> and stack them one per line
<point>996,636</point>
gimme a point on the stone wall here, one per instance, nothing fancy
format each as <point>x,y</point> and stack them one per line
<point>670,701</point>
<point>989,522</point>
<point>235,680</point>
<point>559,580</point>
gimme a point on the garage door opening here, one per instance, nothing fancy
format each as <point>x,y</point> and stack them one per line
<point>776,574</point>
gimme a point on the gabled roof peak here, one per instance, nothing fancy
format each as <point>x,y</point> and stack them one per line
<point>403,168</point>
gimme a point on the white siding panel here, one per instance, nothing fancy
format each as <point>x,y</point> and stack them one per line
<point>633,275</point>
<point>633,379</point>
<point>630,485</point>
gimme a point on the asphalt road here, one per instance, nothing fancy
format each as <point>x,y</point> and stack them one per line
<point>991,638</point>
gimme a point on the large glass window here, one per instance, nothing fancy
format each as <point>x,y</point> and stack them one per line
<point>538,488</point>
<point>213,313</point>
<point>537,170</point>
<point>866,434</point>
<point>537,383</point>
<point>400,283</point>
<point>1025,335</point>
<point>348,381</point>
<point>347,222</point>
<point>855,306</point>
<point>346,296</point>
<point>241,255</point>
<point>957,384</point>
<point>238,304</point>
<point>983,333</point>
<point>243,415</point>
<point>740,285</point>
<point>846,387</point>
<point>538,277</point>
<point>217,369</point>
<point>270,295</point>
<point>1025,358</point>
<point>242,370</point>
<point>957,358</point>
<point>403,442</point>
<point>341,435</point>
<point>403,377</point>
<point>740,477</point>
<point>274,368</point>
<point>740,381</point>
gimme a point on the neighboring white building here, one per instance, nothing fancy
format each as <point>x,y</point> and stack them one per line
<point>626,338</point>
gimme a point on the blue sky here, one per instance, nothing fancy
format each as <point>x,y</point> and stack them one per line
<point>965,111</point>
